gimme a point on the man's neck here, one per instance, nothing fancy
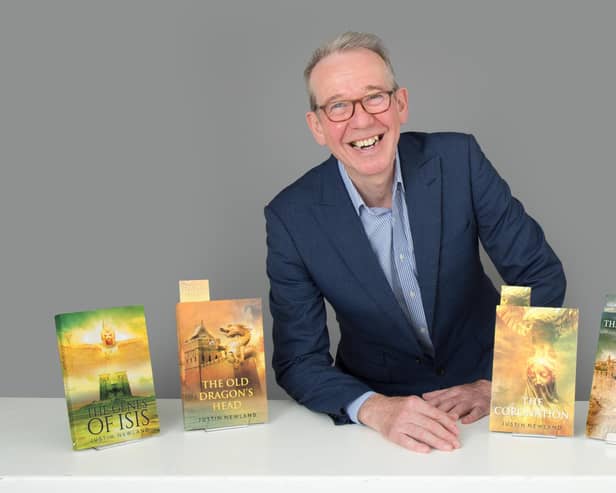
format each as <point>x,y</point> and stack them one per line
<point>374,190</point>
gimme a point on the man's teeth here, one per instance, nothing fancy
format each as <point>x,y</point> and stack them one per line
<point>366,142</point>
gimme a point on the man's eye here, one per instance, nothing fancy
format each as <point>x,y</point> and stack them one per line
<point>338,106</point>
<point>373,99</point>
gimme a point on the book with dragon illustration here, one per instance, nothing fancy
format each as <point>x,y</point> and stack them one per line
<point>601,419</point>
<point>533,378</point>
<point>222,363</point>
<point>107,376</point>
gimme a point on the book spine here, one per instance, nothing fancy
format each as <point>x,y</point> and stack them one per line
<point>66,374</point>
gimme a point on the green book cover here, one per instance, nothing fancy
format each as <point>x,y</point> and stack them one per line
<point>601,418</point>
<point>107,376</point>
<point>222,363</point>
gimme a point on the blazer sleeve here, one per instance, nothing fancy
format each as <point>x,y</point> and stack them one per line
<point>301,361</point>
<point>513,240</point>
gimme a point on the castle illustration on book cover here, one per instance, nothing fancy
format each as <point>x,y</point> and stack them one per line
<point>107,376</point>
<point>222,363</point>
<point>533,378</point>
<point>601,418</point>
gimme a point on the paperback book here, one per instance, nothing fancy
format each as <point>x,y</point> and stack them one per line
<point>107,376</point>
<point>194,290</point>
<point>601,418</point>
<point>515,295</point>
<point>533,378</point>
<point>222,363</point>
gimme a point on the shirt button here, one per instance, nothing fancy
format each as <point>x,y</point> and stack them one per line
<point>401,256</point>
<point>413,295</point>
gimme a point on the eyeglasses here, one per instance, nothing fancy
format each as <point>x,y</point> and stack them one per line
<point>340,111</point>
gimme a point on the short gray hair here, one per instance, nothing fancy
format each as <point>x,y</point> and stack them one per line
<point>347,41</point>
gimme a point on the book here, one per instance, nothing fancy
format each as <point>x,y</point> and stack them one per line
<point>601,418</point>
<point>194,290</point>
<point>533,377</point>
<point>515,295</point>
<point>107,376</point>
<point>222,363</point>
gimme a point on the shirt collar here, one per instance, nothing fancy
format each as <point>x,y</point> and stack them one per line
<point>354,195</point>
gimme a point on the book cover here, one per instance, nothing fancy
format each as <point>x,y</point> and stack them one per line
<point>515,295</point>
<point>194,290</point>
<point>107,376</point>
<point>533,378</point>
<point>222,363</point>
<point>601,418</point>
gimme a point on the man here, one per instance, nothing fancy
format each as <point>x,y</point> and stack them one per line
<point>387,231</point>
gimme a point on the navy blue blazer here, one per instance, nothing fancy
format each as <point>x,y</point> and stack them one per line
<point>317,249</point>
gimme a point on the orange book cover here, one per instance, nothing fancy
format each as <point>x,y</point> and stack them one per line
<point>222,363</point>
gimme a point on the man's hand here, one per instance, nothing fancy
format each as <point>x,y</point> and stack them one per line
<point>410,422</point>
<point>469,402</point>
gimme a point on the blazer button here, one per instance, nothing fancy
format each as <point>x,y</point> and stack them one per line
<point>418,361</point>
<point>440,371</point>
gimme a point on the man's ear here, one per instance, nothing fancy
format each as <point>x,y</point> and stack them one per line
<point>401,101</point>
<point>314,124</point>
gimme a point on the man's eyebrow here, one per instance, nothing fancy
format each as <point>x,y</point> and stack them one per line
<point>337,97</point>
<point>375,88</point>
<point>332,98</point>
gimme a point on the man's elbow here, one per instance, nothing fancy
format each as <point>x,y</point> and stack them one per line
<point>556,288</point>
<point>562,288</point>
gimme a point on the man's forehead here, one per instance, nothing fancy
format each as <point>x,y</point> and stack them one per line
<point>347,73</point>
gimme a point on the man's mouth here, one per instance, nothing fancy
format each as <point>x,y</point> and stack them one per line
<point>366,143</point>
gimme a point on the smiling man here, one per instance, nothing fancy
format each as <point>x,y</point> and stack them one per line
<point>387,230</point>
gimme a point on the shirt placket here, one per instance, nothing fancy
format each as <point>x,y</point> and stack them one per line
<point>406,271</point>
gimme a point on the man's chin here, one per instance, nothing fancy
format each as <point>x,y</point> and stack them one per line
<point>369,168</point>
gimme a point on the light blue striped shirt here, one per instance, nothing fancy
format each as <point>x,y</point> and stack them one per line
<point>389,234</point>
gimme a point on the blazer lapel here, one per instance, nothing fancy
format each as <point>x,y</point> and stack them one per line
<point>344,229</point>
<point>422,181</point>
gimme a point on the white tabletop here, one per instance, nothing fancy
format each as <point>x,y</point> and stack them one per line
<point>296,451</point>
